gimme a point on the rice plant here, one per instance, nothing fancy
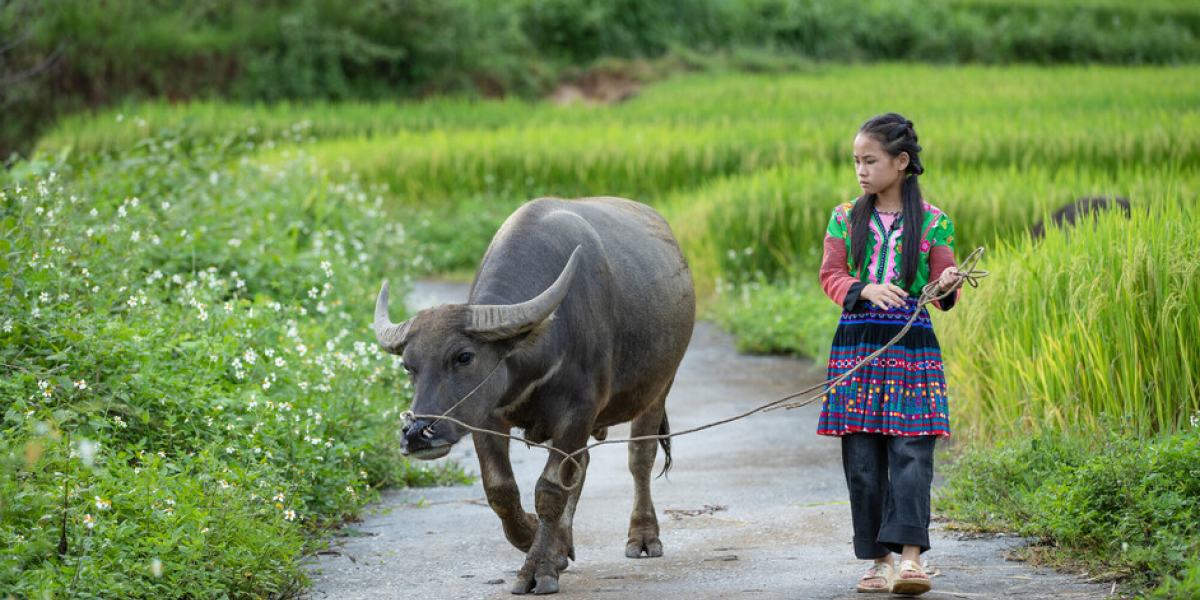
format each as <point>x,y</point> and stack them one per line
<point>1094,323</point>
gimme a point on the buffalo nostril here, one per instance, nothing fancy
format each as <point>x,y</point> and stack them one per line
<point>413,427</point>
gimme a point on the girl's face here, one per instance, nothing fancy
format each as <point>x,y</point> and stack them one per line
<point>877,171</point>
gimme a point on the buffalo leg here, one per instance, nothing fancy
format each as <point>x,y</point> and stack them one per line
<point>643,524</point>
<point>502,492</point>
<point>555,507</point>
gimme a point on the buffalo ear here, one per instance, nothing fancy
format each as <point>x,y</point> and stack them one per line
<point>493,322</point>
<point>525,339</point>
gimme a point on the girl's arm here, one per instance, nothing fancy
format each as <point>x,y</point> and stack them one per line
<point>940,259</point>
<point>839,285</point>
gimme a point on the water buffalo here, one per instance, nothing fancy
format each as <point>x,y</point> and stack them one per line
<point>1077,210</point>
<point>577,320</point>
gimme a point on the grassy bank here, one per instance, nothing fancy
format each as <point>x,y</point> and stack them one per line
<point>189,383</point>
<point>1117,505</point>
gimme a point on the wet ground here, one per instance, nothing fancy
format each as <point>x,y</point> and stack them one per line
<point>754,509</point>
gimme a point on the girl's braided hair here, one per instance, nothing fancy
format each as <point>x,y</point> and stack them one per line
<point>897,136</point>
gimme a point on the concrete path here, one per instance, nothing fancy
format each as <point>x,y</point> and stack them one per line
<point>754,509</point>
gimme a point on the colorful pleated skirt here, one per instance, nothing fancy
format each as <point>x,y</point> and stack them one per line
<point>901,392</point>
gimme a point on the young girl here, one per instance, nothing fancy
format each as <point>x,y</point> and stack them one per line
<point>880,251</point>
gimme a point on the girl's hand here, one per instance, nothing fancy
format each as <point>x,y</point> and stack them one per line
<point>949,278</point>
<point>886,295</point>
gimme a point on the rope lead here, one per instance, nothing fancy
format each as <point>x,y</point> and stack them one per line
<point>929,294</point>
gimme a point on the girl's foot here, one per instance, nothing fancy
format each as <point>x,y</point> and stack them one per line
<point>912,580</point>
<point>877,579</point>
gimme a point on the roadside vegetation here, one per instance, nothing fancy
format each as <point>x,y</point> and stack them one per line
<point>1117,505</point>
<point>188,287</point>
<point>190,385</point>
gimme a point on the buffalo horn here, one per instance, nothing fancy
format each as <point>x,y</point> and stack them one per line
<point>502,321</point>
<point>392,336</point>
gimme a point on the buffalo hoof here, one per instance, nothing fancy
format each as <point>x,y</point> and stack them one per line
<point>649,547</point>
<point>539,586</point>
<point>538,578</point>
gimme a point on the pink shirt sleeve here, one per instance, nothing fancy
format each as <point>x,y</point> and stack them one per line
<point>940,259</point>
<point>835,276</point>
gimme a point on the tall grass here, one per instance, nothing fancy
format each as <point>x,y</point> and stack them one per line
<point>1096,322</point>
<point>770,224</point>
<point>643,162</point>
<point>280,123</point>
<point>1002,117</point>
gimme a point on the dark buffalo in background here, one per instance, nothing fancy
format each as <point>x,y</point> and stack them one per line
<point>1079,210</point>
<point>577,320</point>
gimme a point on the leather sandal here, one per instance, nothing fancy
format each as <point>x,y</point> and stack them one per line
<point>882,571</point>
<point>911,586</point>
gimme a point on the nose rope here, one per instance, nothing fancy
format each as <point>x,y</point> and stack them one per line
<point>929,294</point>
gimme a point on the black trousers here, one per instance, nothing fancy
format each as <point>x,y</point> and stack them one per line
<point>889,477</point>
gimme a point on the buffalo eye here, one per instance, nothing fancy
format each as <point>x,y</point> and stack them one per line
<point>464,359</point>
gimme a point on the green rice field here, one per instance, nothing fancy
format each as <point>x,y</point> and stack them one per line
<point>747,169</point>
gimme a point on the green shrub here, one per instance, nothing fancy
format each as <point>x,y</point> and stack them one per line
<point>777,318</point>
<point>1134,503</point>
<point>1185,585</point>
<point>1126,505</point>
<point>992,487</point>
<point>580,31</point>
<point>190,382</point>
